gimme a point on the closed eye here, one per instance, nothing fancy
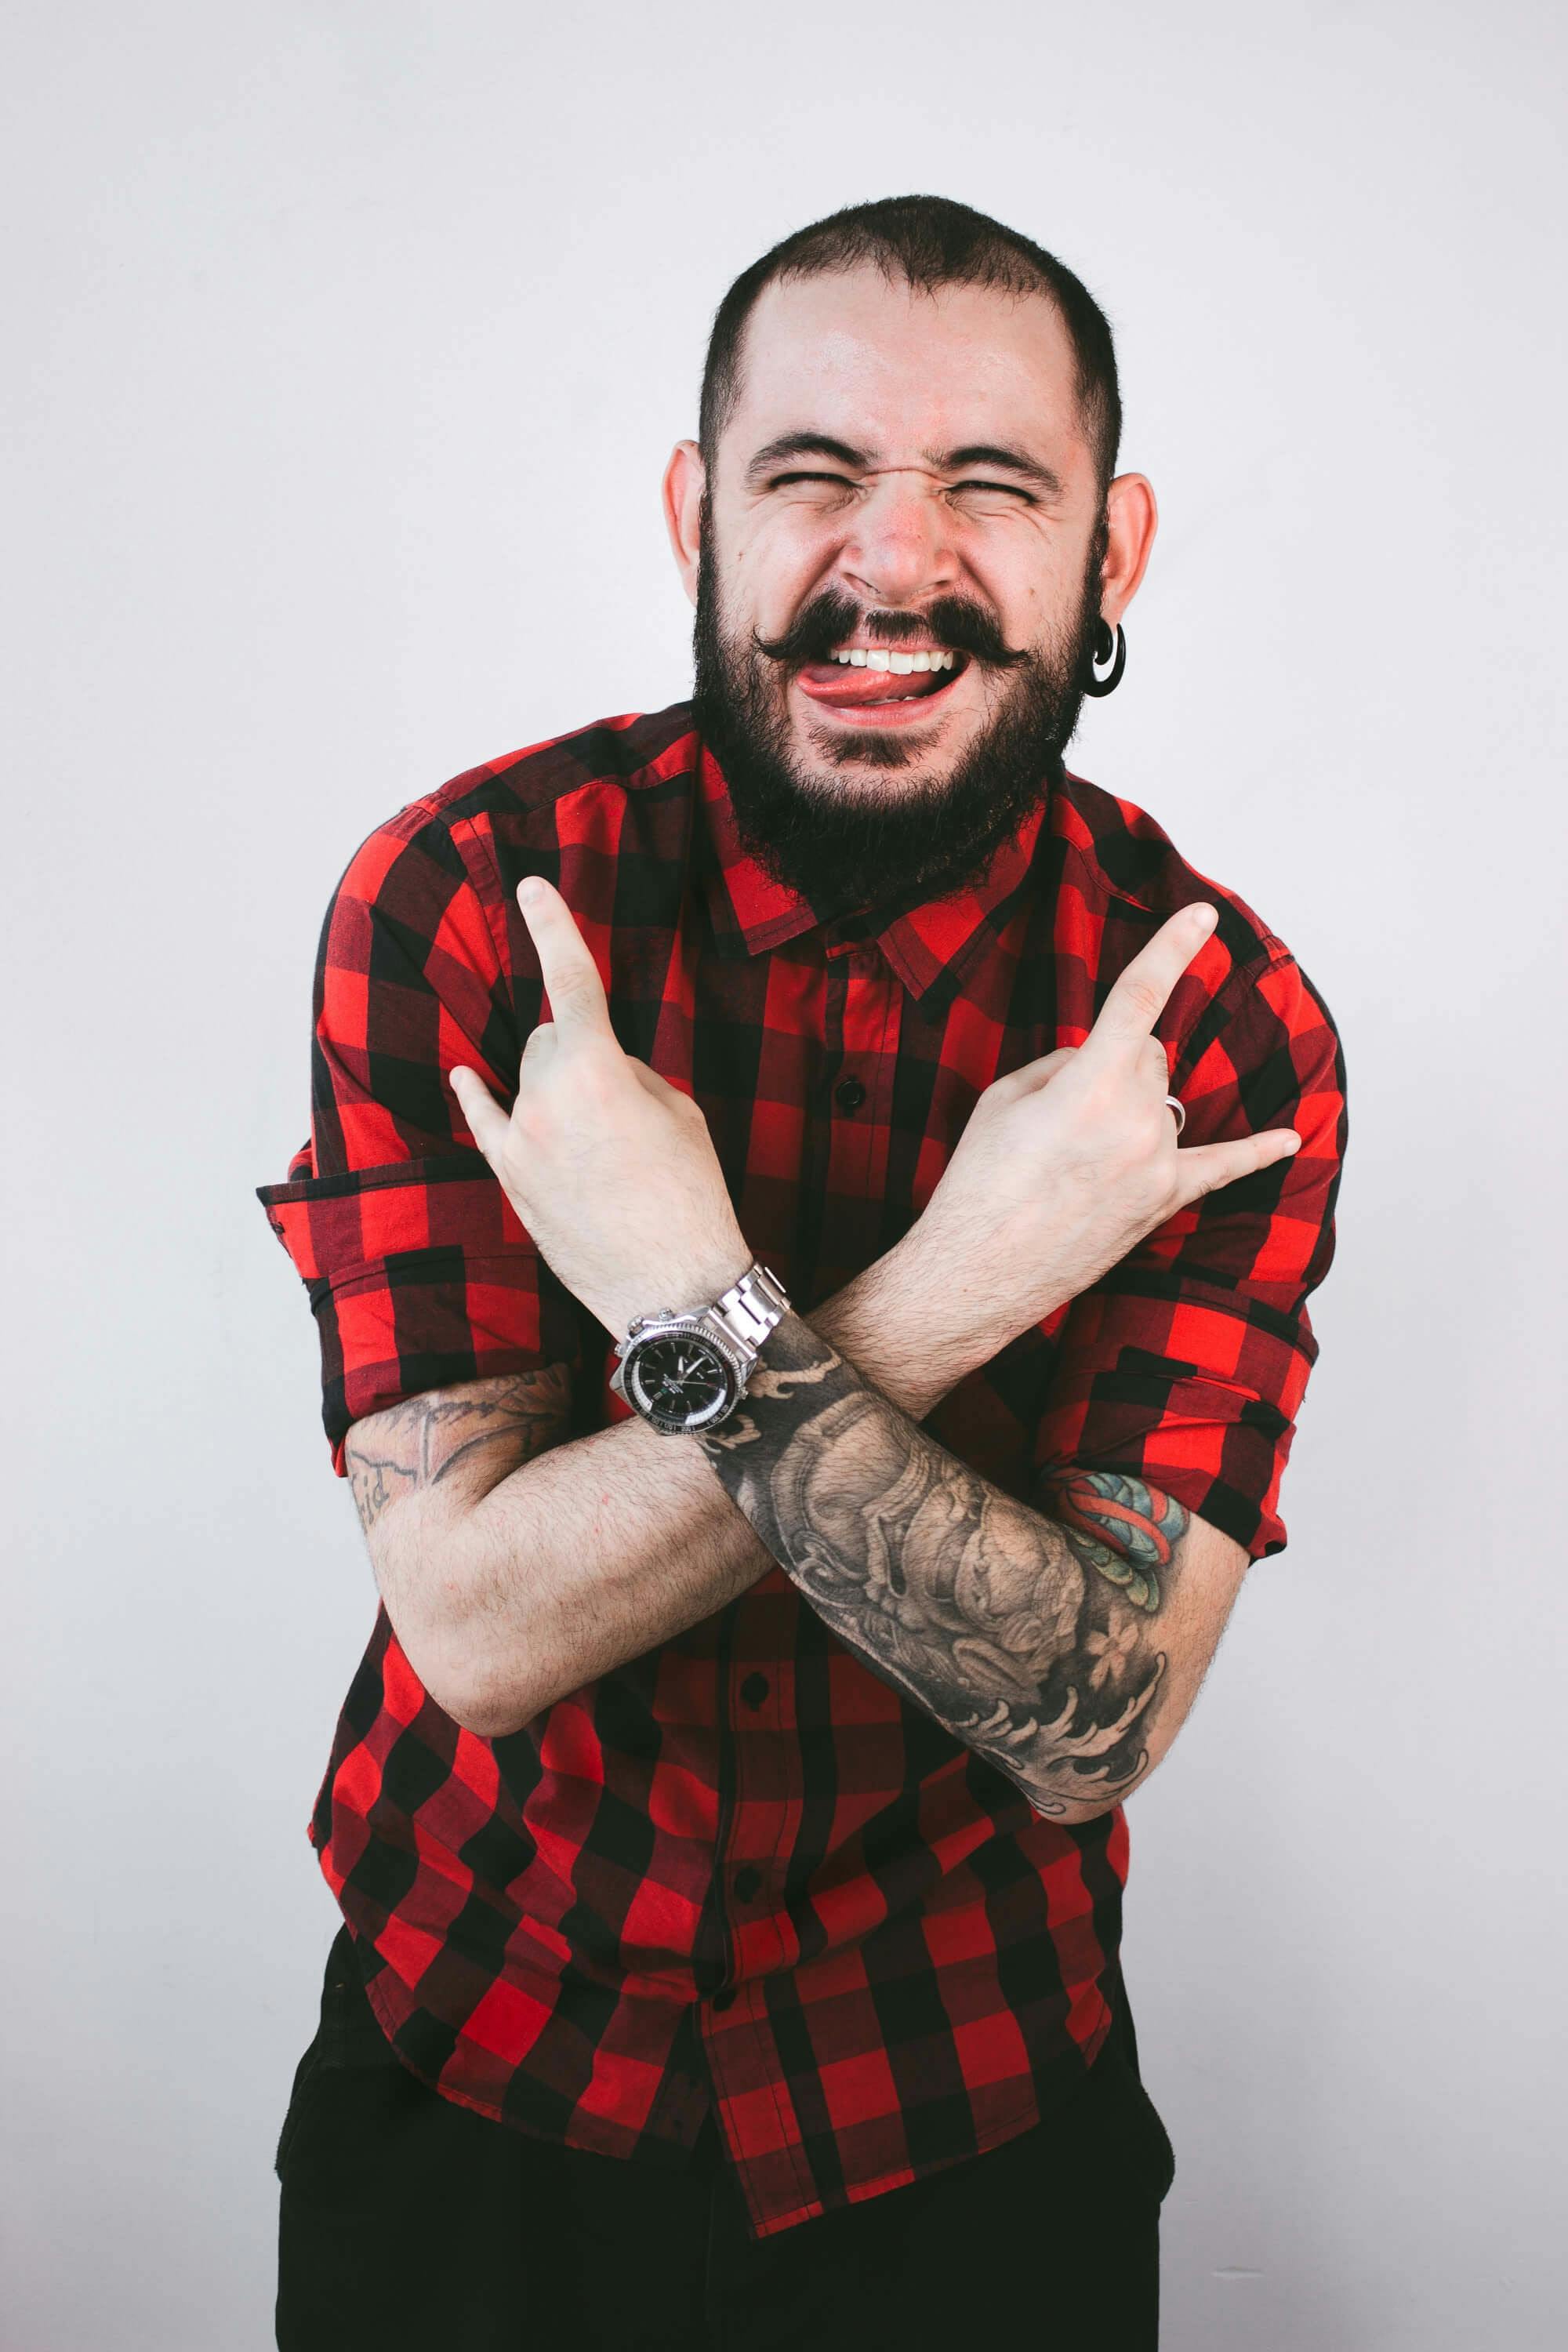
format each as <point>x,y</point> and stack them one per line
<point>1006,489</point>
<point>842,482</point>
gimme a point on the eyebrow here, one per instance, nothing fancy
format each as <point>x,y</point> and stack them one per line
<point>1002,455</point>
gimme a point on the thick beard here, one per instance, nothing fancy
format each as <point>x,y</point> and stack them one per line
<point>850,848</point>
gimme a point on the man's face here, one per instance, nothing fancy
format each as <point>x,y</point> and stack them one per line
<point>901,476</point>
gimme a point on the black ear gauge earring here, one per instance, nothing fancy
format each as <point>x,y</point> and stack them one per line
<point>1105,644</point>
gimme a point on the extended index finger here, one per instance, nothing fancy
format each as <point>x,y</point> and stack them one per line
<point>1140,992</point>
<point>576,993</point>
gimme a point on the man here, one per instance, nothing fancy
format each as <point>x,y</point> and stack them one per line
<point>809,1418</point>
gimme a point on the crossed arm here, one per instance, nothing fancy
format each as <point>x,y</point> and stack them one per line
<point>1065,1648</point>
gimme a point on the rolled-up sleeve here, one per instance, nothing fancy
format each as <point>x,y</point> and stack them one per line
<point>417,1270</point>
<point>1187,1362</point>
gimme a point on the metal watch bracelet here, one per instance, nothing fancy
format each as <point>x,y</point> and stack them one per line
<point>751,1308</point>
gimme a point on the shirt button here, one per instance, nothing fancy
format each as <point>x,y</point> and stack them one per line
<point>747,1882</point>
<point>849,1094</point>
<point>724,1999</point>
<point>754,1689</point>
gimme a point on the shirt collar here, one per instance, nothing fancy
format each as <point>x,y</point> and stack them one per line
<point>929,945</point>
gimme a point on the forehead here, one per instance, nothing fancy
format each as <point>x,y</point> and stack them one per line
<point>893,370</point>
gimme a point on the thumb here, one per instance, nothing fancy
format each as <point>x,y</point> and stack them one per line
<point>651,1083</point>
<point>487,1123</point>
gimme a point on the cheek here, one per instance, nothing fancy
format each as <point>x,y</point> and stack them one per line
<point>777,566</point>
<point>1033,594</point>
<point>1027,611</point>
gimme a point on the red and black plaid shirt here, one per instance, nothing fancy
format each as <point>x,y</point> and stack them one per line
<point>742,1871</point>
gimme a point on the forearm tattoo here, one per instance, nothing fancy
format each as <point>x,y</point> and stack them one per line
<point>423,1441</point>
<point>1030,1638</point>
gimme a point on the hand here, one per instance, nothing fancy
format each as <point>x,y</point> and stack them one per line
<point>612,1170</point>
<point>1065,1164</point>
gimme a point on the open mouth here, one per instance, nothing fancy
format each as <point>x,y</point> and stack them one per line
<point>877,681</point>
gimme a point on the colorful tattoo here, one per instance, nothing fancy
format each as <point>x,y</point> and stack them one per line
<point>1118,1525</point>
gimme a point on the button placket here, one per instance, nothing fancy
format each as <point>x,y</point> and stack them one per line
<point>767,1794</point>
<point>869,1038</point>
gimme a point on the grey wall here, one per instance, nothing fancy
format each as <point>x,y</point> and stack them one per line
<point>344,348</point>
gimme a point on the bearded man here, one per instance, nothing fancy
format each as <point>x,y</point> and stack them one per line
<point>810,1208</point>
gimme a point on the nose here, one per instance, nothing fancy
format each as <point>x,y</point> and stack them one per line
<point>900,547</point>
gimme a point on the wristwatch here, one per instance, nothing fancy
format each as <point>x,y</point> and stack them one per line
<point>688,1372</point>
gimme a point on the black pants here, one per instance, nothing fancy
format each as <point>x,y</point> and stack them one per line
<point>410,2225</point>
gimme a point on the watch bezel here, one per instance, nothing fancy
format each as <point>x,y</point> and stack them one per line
<point>639,1342</point>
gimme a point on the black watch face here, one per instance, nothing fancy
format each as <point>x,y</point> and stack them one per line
<point>679,1381</point>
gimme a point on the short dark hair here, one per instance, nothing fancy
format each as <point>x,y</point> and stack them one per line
<point>929,241</point>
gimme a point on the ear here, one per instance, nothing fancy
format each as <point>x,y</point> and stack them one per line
<point>1131,520</point>
<point>684,478</point>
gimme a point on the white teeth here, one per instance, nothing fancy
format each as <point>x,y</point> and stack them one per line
<point>875,657</point>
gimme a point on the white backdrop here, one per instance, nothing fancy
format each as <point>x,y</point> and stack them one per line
<point>345,348</point>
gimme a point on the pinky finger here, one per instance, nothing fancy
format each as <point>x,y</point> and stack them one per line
<point>487,1123</point>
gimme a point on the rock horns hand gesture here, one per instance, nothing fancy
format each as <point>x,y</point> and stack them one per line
<point>612,1170</point>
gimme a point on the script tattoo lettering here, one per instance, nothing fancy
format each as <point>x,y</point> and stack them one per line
<point>416,1444</point>
<point>1029,1637</point>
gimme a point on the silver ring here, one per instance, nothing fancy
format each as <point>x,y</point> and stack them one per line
<point>1180,1108</point>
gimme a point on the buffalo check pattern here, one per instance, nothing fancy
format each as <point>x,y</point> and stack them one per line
<point>741,1875</point>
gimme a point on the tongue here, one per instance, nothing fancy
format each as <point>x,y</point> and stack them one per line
<point>836,682</point>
